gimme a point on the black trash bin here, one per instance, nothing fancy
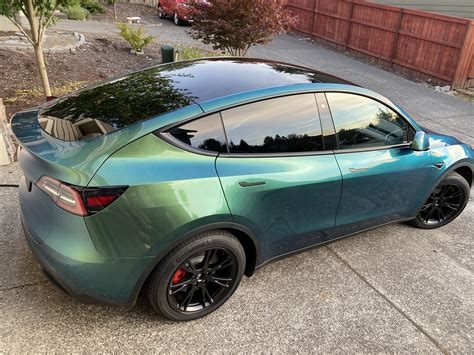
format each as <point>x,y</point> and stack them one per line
<point>167,53</point>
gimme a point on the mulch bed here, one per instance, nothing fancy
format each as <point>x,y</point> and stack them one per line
<point>98,59</point>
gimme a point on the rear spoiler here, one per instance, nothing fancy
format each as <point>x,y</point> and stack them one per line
<point>71,162</point>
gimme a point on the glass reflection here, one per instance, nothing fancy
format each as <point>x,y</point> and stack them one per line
<point>287,124</point>
<point>154,91</point>
<point>206,133</point>
<point>362,122</point>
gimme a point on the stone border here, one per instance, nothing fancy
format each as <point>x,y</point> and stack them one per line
<point>24,45</point>
<point>7,148</point>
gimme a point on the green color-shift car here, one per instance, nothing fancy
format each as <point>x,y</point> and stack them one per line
<point>179,179</point>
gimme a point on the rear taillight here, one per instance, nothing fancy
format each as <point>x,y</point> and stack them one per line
<point>96,199</point>
<point>64,196</point>
<point>78,200</point>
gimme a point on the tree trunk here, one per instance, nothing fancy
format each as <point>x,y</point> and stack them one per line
<point>42,69</point>
<point>36,36</point>
<point>115,10</point>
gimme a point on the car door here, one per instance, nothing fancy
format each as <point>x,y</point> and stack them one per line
<point>276,177</point>
<point>167,6</point>
<point>383,178</point>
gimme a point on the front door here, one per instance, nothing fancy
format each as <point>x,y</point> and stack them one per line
<point>383,178</point>
<point>277,178</point>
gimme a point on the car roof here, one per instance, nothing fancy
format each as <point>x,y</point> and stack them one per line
<point>212,78</point>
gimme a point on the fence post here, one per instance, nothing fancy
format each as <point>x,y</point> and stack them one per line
<point>7,149</point>
<point>315,14</point>
<point>349,26</point>
<point>465,57</point>
<point>395,40</point>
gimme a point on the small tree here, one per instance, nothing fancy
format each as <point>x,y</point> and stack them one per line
<point>114,4</point>
<point>136,38</point>
<point>40,15</point>
<point>236,25</point>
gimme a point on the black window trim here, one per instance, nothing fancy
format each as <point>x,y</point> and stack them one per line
<point>163,132</point>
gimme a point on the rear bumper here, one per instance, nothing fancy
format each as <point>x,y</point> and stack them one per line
<point>110,283</point>
<point>67,258</point>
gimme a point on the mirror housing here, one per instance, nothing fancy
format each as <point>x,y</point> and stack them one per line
<point>421,141</point>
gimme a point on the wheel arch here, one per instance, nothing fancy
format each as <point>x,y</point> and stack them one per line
<point>245,236</point>
<point>466,172</point>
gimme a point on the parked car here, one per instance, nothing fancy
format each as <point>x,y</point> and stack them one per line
<point>181,178</point>
<point>178,10</point>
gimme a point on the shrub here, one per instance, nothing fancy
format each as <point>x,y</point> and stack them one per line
<point>136,38</point>
<point>93,6</point>
<point>236,25</point>
<point>76,13</point>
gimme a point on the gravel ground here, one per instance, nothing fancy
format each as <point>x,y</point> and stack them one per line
<point>392,289</point>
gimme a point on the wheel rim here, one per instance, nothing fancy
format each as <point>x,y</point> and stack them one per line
<point>443,204</point>
<point>202,281</point>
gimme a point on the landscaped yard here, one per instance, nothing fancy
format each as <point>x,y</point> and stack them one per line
<point>98,59</point>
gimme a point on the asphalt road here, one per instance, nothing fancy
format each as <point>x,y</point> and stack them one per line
<point>392,289</point>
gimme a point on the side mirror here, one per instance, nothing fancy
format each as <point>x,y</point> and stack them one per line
<point>421,141</point>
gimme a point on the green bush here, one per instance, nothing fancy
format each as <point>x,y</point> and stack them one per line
<point>93,6</point>
<point>76,13</point>
<point>136,38</point>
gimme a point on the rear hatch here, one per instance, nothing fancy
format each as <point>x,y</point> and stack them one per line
<point>71,161</point>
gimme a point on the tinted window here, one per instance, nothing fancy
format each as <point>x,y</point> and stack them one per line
<point>205,133</point>
<point>288,124</point>
<point>361,122</point>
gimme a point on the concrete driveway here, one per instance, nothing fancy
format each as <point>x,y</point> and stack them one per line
<point>392,289</point>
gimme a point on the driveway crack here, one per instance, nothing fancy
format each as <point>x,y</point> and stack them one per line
<point>390,302</point>
<point>24,285</point>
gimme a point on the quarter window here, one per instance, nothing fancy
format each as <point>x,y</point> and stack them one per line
<point>281,125</point>
<point>205,133</point>
<point>361,122</point>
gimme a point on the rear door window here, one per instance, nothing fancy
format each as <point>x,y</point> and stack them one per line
<point>281,125</point>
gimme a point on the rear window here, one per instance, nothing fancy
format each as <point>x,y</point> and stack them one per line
<point>107,107</point>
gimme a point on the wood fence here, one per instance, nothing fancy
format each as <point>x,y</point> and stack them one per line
<point>422,44</point>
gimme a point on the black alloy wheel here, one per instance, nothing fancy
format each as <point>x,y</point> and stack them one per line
<point>198,276</point>
<point>202,280</point>
<point>445,203</point>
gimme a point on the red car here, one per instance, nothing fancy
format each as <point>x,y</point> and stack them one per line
<point>179,10</point>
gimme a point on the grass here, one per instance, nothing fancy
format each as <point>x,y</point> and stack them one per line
<point>65,88</point>
<point>187,53</point>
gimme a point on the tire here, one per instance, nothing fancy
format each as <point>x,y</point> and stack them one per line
<point>161,13</point>
<point>177,21</point>
<point>184,286</point>
<point>445,203</point>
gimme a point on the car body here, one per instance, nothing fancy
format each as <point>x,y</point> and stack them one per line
<point>178,10</point>
<point>269,152</point>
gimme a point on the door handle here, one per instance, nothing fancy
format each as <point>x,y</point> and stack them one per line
<point>249,184</point>
<point>360,170</point>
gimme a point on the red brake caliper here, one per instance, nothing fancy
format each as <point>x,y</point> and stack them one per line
<point>178,276</point>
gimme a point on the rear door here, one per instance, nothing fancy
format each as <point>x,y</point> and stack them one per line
<point>383,178</point>
<point>277,178</point>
